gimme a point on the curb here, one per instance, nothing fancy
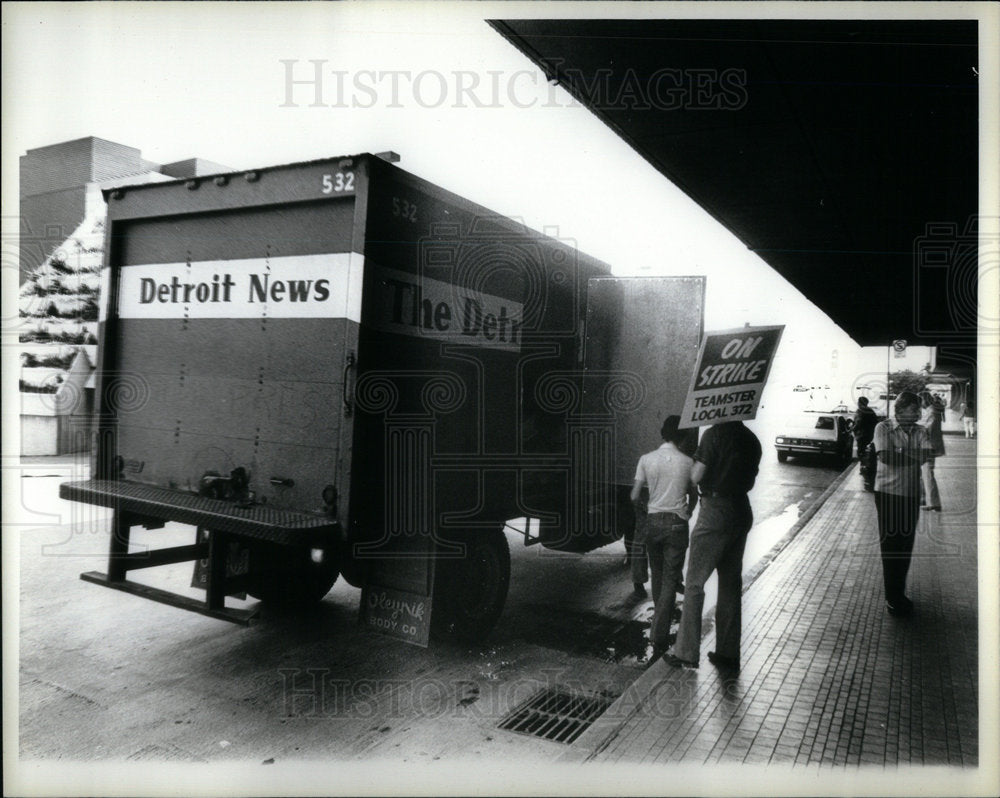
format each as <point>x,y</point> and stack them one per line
<point>754,573</point>
<point>607,727</point>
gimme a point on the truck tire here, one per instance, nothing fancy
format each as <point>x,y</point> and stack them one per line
<point>469,592</point>
<point>782,456</point>
<point>293,579</point>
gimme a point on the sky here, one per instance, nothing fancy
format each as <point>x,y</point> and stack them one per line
<point>236,84</point>
<point>258,84</point>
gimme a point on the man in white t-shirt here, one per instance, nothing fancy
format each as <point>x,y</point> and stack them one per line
<point>904,451</point>
<point>666,472</point>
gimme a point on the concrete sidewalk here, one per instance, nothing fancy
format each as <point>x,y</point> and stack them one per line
<point>828,677</point>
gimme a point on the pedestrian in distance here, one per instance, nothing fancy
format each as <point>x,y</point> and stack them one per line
<point>931,418</point>
<point>969,419</point>
<point>865,420</point>
<point>725,468</point>
<point>666,473</point>
<point>904,449</point>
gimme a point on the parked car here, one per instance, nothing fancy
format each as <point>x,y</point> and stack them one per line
<point>815,433</point>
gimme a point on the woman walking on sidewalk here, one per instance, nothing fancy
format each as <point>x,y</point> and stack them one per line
<point>932,415</point>
<point>903,448</point>
<point>969,419</point>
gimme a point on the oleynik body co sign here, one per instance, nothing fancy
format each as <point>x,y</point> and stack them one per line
<point>730,374</point>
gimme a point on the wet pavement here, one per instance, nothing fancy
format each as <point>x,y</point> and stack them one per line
<point>829,679</point>
<point>109,678</point>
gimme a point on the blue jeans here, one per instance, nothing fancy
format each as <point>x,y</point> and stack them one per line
<point>666,544</point>
<point>717,544</point>
<point>636,550</point>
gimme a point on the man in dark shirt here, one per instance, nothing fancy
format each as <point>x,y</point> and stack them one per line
<point>726,465</point>
<point>864,431</point>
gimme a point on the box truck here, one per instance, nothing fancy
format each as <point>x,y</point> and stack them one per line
<point>336,369</point>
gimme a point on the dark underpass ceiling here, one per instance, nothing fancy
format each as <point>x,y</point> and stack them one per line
<point>844,153</point>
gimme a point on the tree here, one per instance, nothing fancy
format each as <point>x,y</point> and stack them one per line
<point>90,311</point>
<point>59,265</point>
<point>906,380</point>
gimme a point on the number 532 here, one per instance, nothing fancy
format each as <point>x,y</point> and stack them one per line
<point>404,208</point>
<point>336,183</point>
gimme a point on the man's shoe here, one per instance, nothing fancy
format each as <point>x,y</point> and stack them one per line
<point>724,663</point>
<point>654,655</point>
<point>680,589</point>
<point>676,662</point>
<point>900,607</point>
<point>638,590</point>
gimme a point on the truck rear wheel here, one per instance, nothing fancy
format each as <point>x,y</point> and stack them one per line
<point>294,578</point>
<point>470,591</point>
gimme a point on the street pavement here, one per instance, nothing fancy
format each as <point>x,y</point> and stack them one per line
<point>829,682</point>
<point>828,678</point>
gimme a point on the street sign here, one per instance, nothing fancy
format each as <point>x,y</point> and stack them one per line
<point>899,347</point>
<point>730,374</point>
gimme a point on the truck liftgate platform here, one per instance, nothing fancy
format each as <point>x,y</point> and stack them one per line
<point>145,505</point>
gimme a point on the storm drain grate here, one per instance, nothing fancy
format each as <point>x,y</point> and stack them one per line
<point>557,715</point>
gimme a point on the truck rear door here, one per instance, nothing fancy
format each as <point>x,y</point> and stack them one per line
<point>642,343</point>
<point>232,328</point>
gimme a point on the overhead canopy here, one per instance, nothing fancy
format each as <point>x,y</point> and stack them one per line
<point>843,152</point>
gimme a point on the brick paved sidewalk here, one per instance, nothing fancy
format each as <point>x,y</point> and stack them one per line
<point>828,676</point>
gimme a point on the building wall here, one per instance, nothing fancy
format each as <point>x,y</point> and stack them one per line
<point>47,220</point>
<point>193,167</point>
<point>110,159</point>
<point>39,435</point>
<point>75,432</point>
<point>56,167</point>
<point>51,435</point>
<point>54,181</point>
<point>53,190</point>
<point>61,206</point>
<point>51,425</point>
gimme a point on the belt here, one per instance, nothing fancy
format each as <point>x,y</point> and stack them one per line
<point>665,513</point>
